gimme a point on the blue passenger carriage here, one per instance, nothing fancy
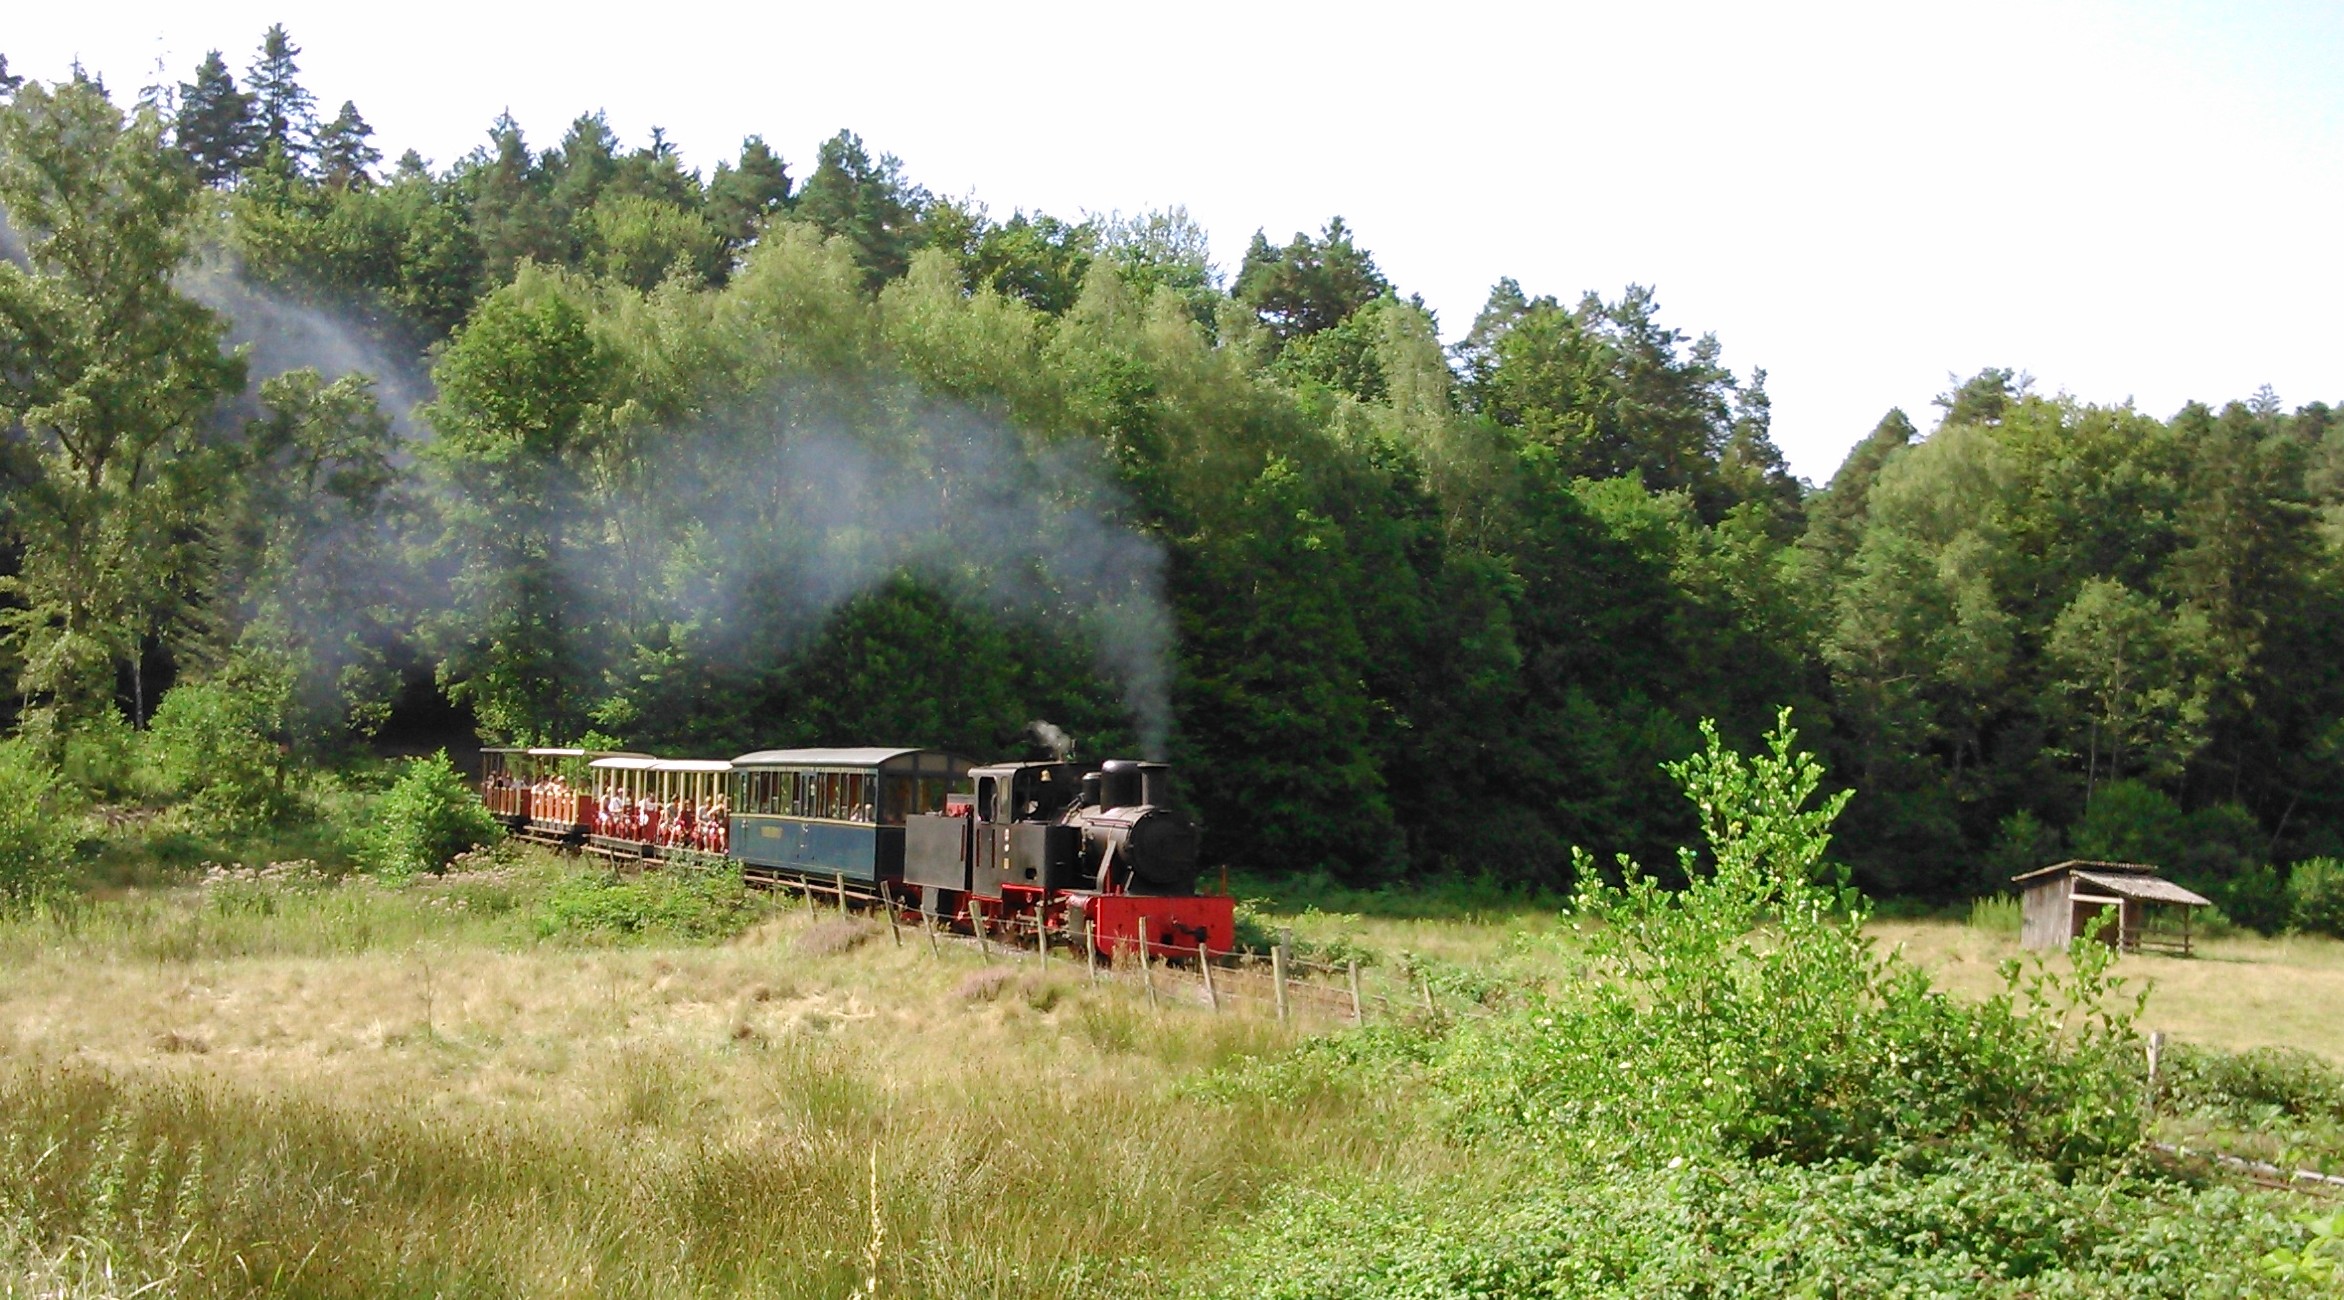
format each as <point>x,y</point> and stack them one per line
<point>834,812</point>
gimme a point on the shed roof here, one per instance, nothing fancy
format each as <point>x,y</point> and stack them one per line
<point>2146,889</point>
<point>2086,864</point>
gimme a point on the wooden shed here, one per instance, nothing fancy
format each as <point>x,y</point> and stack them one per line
<point>2061,900</point>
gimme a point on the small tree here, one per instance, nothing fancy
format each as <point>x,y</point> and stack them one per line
<point>214,745</point>
<point>2315,896</point>
<point>428,817</point>
<point>34,839</point>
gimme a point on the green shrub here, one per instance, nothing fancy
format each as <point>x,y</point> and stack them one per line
<point>211,745</point>
<point>427,817</point>
<point>2315,896</point>
<point>2255,898</point>
<point>101,755</point>
<point>1998,914</point>
<point>36,829</point>
<point>711,904</point>
<point>2243,1088</point>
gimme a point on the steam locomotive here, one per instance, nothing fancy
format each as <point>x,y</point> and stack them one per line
<point>1092,854</point>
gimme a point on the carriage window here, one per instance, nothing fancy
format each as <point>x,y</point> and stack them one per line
<point>985,799</point>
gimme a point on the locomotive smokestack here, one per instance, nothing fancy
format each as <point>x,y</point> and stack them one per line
<point>1122,786</point>
<point>1155,784</point>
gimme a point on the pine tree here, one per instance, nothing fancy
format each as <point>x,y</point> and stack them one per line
<point>8,84</point>
<point>214,126</point>
<point>345,150</point>
<point>869,202</point>
<point>740,197</point>
<point>282,109</point>
<point>1310,284</point>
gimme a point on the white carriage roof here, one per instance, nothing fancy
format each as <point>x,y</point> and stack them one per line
<point>626,763</point>
<point>542,751</point>
<point>821,757</point>
<point>691,765</point>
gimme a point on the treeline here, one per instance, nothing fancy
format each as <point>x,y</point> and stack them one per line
<point>734,460</point>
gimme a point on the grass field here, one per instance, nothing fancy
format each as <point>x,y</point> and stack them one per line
<point>299,1088</point>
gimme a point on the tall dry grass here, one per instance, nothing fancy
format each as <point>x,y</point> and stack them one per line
<point>337,1096</point>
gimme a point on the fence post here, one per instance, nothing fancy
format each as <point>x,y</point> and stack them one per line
<point>977,922</point>
<point>1204,963</point>
<point>1358,1016</point>
<point>840,877</point>
<point>887,900</point>
<point>1278,976</point>
<point>928,921</point>
<point>1041,937</point>
<point>2156,1047</point>
<point>1090,950</point>
<point>1147,968</point>
<point>1424,981</point>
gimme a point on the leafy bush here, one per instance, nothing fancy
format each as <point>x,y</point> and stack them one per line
<point>1745,1098</point>
<point>711,904</point>
<point>2315,896</point>
<point>1964,1225</point>
<point>101,755</point>
<point>36,835</point>
<point>2255,898</point>
<point>427,817</point>
<point>2247,1088</point>
<point>211,745</point>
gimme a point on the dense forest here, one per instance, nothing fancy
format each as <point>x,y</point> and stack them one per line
<point>591,446</point>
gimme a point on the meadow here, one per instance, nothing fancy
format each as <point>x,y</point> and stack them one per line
<point>527,1078</point>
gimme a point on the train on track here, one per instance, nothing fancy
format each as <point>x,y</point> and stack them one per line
<point>1092,855</point>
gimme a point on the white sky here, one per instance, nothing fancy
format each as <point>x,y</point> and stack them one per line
<point>2124,200</point>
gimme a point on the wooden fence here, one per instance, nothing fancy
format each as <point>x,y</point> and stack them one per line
<point>1278,979</point>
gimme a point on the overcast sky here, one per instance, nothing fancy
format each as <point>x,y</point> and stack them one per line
<point>2124,200</point>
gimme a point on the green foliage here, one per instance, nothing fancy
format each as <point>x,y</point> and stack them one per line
<point>102,756</point>
<point>1998,914</point>
<point>428,817</point>
<point>1956,1225</point>
<point>2315,896</point>
<point>213,745</point>
<point>684,904</point>
<point>36,829</point>
<point>1745,1099</point>
<point>2250,1088</point>
<point>107,372</point>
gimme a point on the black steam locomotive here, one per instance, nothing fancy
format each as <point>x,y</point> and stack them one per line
<point>1102,849</point>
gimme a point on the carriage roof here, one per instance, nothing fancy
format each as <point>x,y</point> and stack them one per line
<point>835,758</point>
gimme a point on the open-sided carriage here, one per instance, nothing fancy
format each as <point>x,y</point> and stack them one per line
<point>660,807</point>
<point>542,792</point>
